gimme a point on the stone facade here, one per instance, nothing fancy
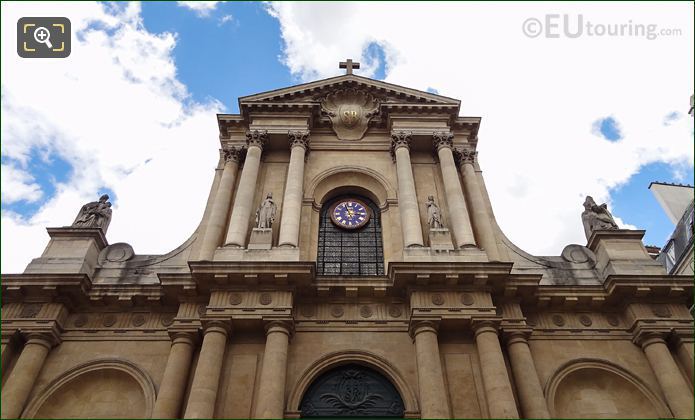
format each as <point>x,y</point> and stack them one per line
<point>462,323</point>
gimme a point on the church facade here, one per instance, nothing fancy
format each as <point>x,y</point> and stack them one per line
<point>348,263</point>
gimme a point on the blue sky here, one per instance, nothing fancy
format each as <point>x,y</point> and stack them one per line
<point>235,49</point>
<point>223,60</point>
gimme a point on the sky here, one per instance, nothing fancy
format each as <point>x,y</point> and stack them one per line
<point>576,99</point>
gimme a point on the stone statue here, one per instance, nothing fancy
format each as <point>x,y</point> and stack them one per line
<point>595,217</point>
<point>434,214</point>
<point>96,214</point>
<point>265,215</point>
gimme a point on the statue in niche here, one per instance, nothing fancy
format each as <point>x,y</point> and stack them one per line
<point>96,214</point>
<point>595,217</point>
<point>265,215</point>
<point>434,214</point>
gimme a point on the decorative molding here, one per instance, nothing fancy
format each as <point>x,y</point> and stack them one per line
<point>80,320</point>
<point>138,320</point>
<point>350,111</point>
<point>585,320</point>
<point>30,310</point>
<point>437,299</point>
<point>265,298</point>
<point>109,320</point>
<point>235,299</point>
<point>337,311</point>
<point>467,299</point>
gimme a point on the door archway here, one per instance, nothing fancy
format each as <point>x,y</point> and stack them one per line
<point>352,390</point>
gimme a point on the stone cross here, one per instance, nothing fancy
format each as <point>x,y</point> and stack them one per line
<point>349,65</point>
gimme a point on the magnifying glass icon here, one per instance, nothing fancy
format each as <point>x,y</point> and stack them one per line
<point>43,36</point>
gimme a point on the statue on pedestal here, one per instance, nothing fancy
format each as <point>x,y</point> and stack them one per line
<point>434,214</point>
<point>96,214</point>
<point>595,217</point>
<point>265,215</point>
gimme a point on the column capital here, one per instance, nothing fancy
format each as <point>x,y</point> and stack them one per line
<point>45,339</point>
<point>465,156</point>
<point>222,326</point>
<point>257,138</point>
<point>443,139</point>
<point>485,325</point>
<point>400,139</point>
<point>188,336</point>
<point>646,338</point>
<point>278,325</point>
<point>299,138</point>
<point>516,335</point>
<point>418,327</point>
<point>681,336</point>
<point>232,153</point>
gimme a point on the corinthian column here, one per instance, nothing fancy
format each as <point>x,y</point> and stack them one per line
<point>201,401</point>
<point>458,213</point>
<point>669,376</point>
<point>482,223</point>
<point>169,399</point>
<point>533,405</point>
<point>498,389</point>
<point>294,189</point>
<point>21,380</point>
<point>433,403</point>
<point>241,212</point>
<point>220,207</point>
<point>407,198</point>
<point>271,390</point>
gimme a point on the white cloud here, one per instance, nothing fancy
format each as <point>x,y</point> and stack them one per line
<point>225,19</point>
<point>115,111</point>
<point>18,184</point>
<point>201,8</point>
<point>538,96</point>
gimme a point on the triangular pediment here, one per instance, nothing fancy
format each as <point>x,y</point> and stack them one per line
<point>314,92</point>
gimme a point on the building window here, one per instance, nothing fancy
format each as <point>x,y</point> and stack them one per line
<point>350,252</point>
<point>670,256</point>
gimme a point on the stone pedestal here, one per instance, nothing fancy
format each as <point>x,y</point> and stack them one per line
<point>261,239</point>
<point>440,239</point>
<point>70,250</point>
<point>621,251</point>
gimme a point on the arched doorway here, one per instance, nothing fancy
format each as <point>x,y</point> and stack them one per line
<point>352,391</point>
<point>343,251</point>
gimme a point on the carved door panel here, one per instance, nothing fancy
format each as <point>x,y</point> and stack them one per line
<point>352,391</point>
